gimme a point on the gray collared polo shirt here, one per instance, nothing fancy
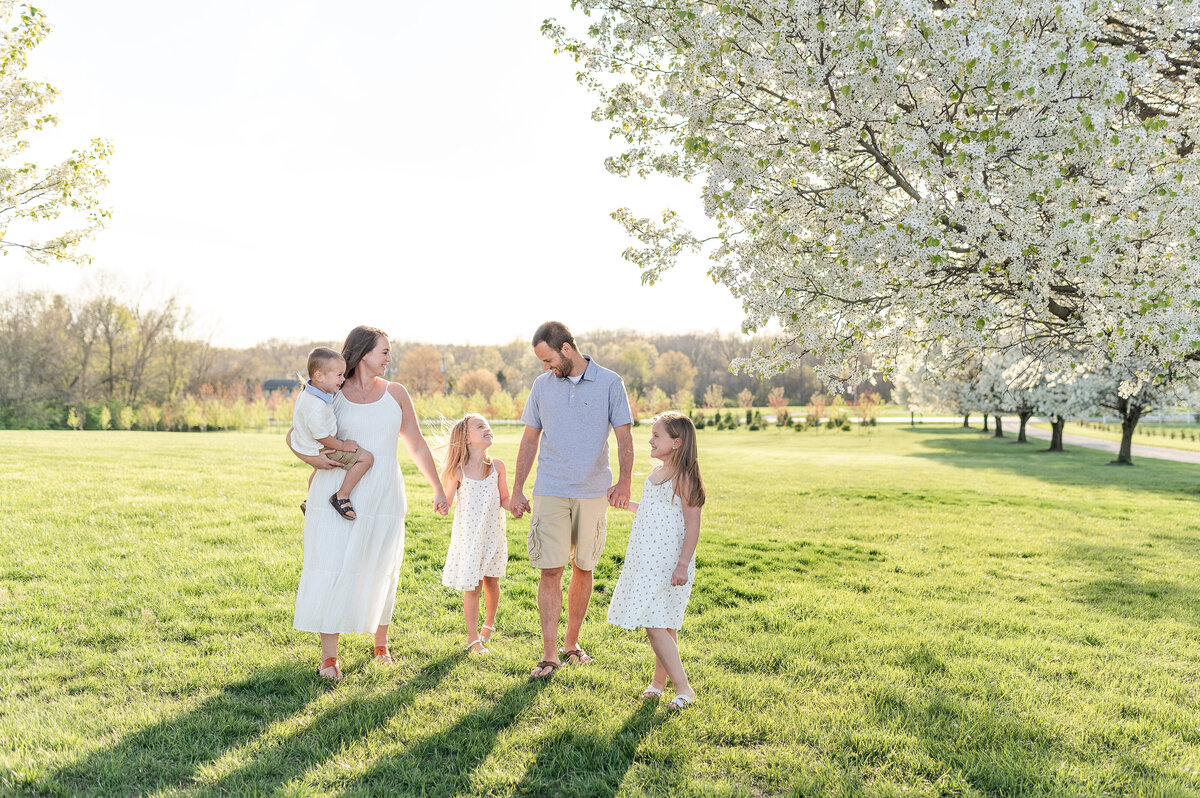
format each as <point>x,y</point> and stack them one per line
<point>575,420</point>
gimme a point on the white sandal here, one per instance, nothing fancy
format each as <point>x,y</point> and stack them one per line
<point>487,638</point>
<point>651,691</point>
<point>680,701</point>
<point>482,648</point>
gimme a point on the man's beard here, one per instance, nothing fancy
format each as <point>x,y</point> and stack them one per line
<point>562,369</point>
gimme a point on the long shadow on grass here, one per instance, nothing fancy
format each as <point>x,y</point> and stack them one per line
<point>171,753</point>
<point>584,763</point>
<point>301,750</point>
<point>443,763</point>
<point>1082,468</point>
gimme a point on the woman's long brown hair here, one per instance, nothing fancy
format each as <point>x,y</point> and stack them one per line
<point>359,342</point>
<point>686,460</point>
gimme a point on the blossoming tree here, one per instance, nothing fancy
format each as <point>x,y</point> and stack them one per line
<point>45,210</point>
<point>879,175</point>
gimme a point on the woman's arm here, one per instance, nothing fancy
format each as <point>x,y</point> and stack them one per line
<point>418,449</point>
<point>502,484</point>
<point>318,461</point>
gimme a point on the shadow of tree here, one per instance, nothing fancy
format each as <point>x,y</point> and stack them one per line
<point>1084,468</point>
<point>443,763</point>
<point>587,764</point>
<point>1006,754</point>
<point>1129,583</point>
<point>173,752</point>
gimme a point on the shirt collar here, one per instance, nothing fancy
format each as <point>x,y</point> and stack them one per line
<point>589,372</point>
<point>317,392</point>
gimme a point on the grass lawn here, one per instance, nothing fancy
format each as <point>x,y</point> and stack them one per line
<point>1151,434</point>
<point>890,611</point>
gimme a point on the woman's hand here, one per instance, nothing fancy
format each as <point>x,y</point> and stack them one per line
<point>679,576</point>
<point>440,505</point>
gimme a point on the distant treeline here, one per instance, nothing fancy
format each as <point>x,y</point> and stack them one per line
<point>106,362</point>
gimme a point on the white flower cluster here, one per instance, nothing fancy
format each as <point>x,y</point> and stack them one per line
<point>893,177</point>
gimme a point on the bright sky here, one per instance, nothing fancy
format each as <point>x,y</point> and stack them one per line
<point>292,169</point>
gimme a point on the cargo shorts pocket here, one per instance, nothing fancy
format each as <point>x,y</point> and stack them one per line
<point>601,538</point>
<point>534,544</point>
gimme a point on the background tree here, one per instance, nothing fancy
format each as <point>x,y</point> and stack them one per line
<point>674,372</point>
<point>987,174</point>
<point>420,370</point>
<point>60,199</point>
<point>714,396</point>
<point>478,380</point>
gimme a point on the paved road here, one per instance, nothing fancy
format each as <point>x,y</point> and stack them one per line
<point>1011,425</point>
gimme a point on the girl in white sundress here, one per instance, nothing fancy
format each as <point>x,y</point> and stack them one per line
<point>478,547</point>
<point>660,561</point>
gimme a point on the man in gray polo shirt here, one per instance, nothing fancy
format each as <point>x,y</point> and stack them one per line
<point>570,409</point>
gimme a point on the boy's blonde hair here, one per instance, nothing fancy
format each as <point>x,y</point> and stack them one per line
<point>457,452</point>
<point>686,460</point>
<point>319,357</point>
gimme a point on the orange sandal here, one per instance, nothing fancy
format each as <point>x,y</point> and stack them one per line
<point>335,664</point>
<point>383,655</point>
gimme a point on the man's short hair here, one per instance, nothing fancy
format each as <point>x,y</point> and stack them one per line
<point>554,334</point>
<point>319,357</point>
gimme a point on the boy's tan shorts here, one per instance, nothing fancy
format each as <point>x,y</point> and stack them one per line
<point>347,459</point>
<point>564,529</point>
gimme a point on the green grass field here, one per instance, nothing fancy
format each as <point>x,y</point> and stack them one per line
<point>883,612</point>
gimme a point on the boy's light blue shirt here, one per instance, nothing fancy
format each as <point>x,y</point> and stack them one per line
<point>575,420</point>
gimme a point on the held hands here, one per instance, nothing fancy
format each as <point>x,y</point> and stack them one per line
<point>518,504</point>
<point>618,495</point>
<point>679,576</point>
<point>440,505</point>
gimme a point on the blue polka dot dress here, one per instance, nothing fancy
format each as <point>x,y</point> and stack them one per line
<point>644,595</point>
<point>478,546</point>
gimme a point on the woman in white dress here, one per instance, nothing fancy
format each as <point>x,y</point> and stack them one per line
<point>352,568</point>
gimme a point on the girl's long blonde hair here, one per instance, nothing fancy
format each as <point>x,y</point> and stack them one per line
<point>686,460</point>
<point>457,452</point>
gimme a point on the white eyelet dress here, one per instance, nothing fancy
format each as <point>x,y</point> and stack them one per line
<point>351,568</point>
<point>644,595</point>
<point>478,545</point>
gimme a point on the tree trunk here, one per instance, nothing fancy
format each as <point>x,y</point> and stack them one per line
<point>1056,432</point>
<point>1024,417</point>
<point>1130,413</point>
<point>966,420</point>
<point>999,429</point>
<point>985,422</point>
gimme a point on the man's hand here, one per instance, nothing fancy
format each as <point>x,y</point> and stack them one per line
<point>351,446</point>
<point>440,505</point>
<point>618,495</point>
<point>518,505</point>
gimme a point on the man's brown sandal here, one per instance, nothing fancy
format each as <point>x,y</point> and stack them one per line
<point>577,656</point>
<point>553,666</point>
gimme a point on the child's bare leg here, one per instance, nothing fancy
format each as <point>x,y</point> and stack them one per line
<point>471,615</point>
<point>666,650</point>
<point>311,474</point>
<point>355,472</point>
<point>491,599</point>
